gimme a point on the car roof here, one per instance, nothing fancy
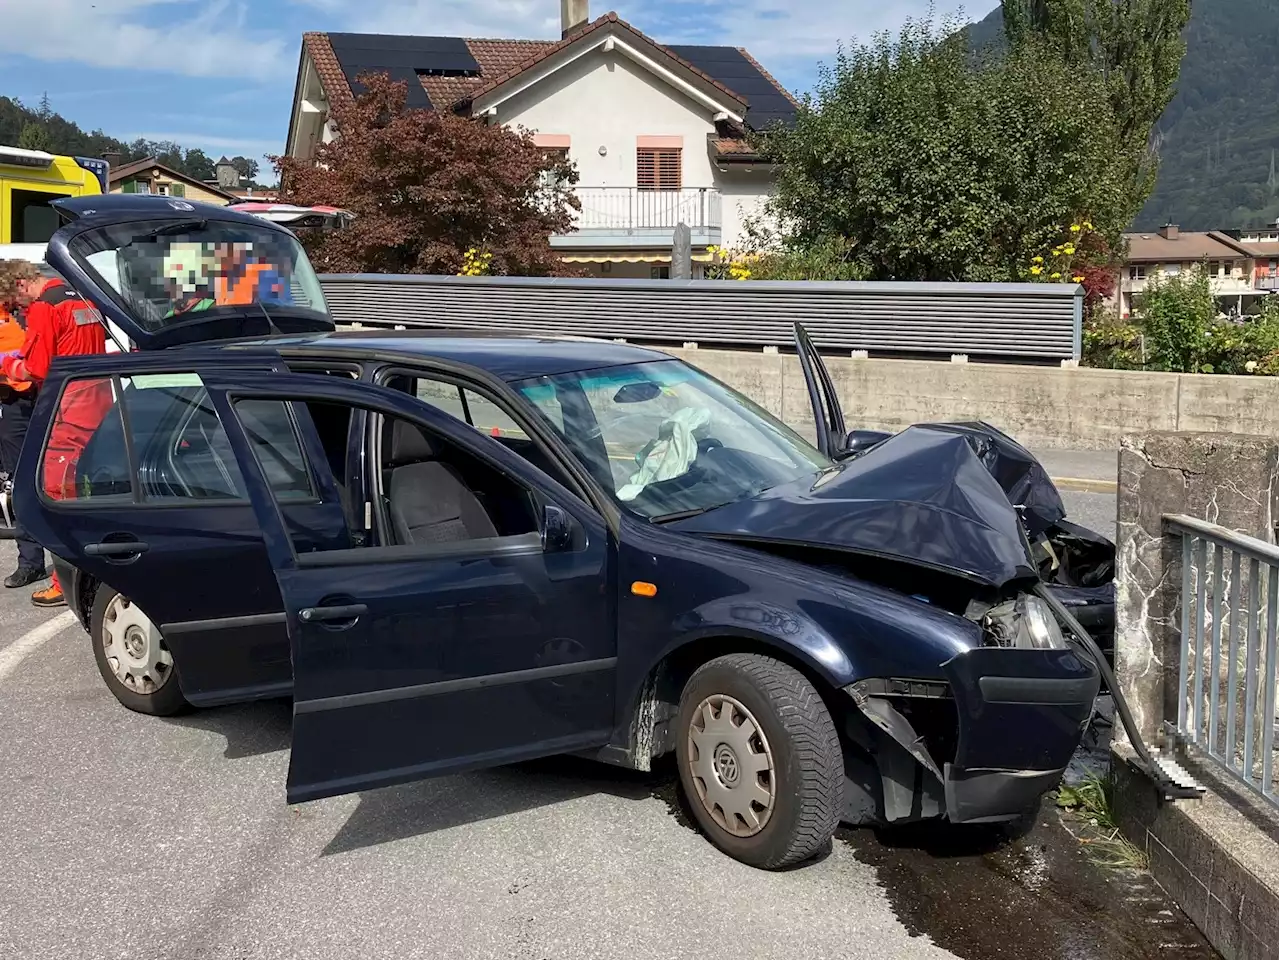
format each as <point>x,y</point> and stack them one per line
<point>509,356</point>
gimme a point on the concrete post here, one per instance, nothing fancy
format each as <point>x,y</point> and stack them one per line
<point>1227,479</point>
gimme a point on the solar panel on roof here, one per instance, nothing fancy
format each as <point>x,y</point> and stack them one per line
<point>766,105</point>
<point>403,58</point>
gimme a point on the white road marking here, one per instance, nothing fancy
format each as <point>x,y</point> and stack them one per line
<point>11,657</point>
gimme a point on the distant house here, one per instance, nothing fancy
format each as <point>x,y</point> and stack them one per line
<point>149,176</point>
<point>659,133</point>
<point>1242,264</point>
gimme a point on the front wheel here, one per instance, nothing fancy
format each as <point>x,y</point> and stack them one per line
<point>760,760</point>
<point>132,656</point>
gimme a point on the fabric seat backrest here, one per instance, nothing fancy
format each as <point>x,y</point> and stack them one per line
<point>429,502</point>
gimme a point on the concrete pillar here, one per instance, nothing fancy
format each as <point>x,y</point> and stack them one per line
<point>1227,479</point>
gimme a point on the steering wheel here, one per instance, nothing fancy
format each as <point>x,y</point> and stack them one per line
<point>707,444</point>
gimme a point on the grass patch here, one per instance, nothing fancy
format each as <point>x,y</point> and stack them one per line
<point>1091,803</point>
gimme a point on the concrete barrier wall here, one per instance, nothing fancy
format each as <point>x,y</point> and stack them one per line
<point>1043,407</point>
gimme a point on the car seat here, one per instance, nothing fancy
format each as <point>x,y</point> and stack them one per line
<point>427,499</point>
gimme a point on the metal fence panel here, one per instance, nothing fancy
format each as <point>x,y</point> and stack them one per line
<point>1008,321</point>
<point>1229,581</point>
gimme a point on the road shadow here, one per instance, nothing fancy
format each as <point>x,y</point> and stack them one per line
<point>424,807</point>
<point>250,729</point>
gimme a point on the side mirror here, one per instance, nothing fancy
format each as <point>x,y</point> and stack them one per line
<point>860,441</point>
<point>557,529</point>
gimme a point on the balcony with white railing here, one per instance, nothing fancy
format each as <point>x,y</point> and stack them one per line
<point>630,217</point>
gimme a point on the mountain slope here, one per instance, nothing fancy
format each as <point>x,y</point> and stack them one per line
<point>1218,137</point>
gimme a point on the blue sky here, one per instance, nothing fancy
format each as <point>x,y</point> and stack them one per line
<point>219,74</point>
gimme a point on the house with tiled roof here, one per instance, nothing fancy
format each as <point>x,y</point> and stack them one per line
<point>658,132</point>
<point>1242,264</point>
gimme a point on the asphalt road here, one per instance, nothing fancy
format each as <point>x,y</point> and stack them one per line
<point>134,837</point>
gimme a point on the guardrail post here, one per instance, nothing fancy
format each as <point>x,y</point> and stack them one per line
<point>1224,479</point>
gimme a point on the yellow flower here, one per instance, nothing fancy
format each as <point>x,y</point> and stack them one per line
<point>1037,259</point>
<point>1087,225</point>
<point>1055,276</point>
<point>1036,271</point>
<point>1077,279</point>
<point>1075,228</point>
<point>1069,249</point>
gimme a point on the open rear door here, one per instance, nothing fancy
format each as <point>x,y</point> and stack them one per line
<point>827,414</point>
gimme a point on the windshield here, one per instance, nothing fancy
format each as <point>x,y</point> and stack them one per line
<point>665,438</point>
<point>166,272</point>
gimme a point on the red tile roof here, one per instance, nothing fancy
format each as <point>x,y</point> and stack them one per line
<point>501,61</point>
<point>326,63</point>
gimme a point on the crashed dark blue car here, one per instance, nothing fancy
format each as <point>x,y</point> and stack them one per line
<point>456,551</point>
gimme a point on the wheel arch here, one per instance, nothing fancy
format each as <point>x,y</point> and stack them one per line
<point>644,734</point>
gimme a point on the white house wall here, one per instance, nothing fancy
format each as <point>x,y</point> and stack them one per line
<point>606,100</point>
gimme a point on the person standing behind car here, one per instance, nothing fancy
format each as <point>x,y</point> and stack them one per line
<point>17,398</point>
<point>60,324</point>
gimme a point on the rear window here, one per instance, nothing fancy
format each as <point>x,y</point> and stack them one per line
<point>166,272</point>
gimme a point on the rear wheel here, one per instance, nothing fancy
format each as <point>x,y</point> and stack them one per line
<point>760,760</point>
<point>132,656</point>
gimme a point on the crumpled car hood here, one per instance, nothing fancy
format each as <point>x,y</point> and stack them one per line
<point>936,495</point>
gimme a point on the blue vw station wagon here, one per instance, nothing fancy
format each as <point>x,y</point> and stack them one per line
<point>457,550</point>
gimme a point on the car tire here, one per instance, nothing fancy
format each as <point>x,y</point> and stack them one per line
<point>771,791</point>
<point>132,656</point>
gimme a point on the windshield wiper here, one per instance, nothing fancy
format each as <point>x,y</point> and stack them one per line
<point>684,514</point>
<point>178,226</point>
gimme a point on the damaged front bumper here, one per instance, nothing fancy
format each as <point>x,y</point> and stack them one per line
<point>986,744</point>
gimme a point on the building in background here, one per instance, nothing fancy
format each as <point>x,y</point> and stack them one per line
<point>659,133</point>
<point>1242,264</point>
<point>149,176</point>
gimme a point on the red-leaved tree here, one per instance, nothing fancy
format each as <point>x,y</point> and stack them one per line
<point>427,187</point>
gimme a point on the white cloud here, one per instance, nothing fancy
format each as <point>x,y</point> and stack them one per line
<point>245,147</point>
<point>518,19</point>
<point>167,36</point>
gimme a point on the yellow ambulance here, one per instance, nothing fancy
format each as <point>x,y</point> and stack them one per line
<point>30,179</point>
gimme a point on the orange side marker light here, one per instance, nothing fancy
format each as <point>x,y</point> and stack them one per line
<point>642,588</point>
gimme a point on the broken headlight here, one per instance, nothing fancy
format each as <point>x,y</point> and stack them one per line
<point>1026,623</point>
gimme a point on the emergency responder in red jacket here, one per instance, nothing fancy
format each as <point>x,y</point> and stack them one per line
<point>59,324</point>
<point>17,399</point>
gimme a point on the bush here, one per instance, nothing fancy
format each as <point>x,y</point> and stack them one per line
<point>1176,315</point>
<point>1112,344</point>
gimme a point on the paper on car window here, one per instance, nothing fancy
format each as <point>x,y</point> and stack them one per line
<point>159,381</point>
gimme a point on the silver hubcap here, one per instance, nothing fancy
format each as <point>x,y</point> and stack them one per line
<point>134,649</point>
<point>731,766</point>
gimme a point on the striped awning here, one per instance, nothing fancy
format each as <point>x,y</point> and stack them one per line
<point>631,258</point>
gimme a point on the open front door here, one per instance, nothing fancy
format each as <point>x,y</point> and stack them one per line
<point>473,628</point>
<point>827,414</point>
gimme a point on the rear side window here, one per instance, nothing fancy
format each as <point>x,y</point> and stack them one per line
<point>85,455</point>
<point>156,439</point>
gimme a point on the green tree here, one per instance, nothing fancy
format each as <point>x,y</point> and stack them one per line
<point>1136,46</point>
<point>35,137</point>
<point>1176,311</point>
<point>932,164</point>
<point>431,191</point>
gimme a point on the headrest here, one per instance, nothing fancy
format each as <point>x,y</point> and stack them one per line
<point>409,445</point>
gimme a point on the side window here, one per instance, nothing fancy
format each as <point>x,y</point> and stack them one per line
<point>85,455</point>
<point>181,447</point>
<point>431,491</point>
<point>273,435</point>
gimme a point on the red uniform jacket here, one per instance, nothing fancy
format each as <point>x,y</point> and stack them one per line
<point>59,324</point>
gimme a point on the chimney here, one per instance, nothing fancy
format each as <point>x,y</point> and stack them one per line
<point>113,158</point>
<point>1169,231</point>
<point>573,14</point>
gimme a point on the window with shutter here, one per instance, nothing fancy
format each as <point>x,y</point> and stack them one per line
<point>658,169</point>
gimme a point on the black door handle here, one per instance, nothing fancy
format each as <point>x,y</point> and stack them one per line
<point>115,548</point>
<point>346,611</point>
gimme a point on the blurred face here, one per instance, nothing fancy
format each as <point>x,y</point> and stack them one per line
<point>29,289</point>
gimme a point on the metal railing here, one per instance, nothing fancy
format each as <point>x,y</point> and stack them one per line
<point>629,208</point>
<point>1227,681</point>
<point>1266,281</point>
